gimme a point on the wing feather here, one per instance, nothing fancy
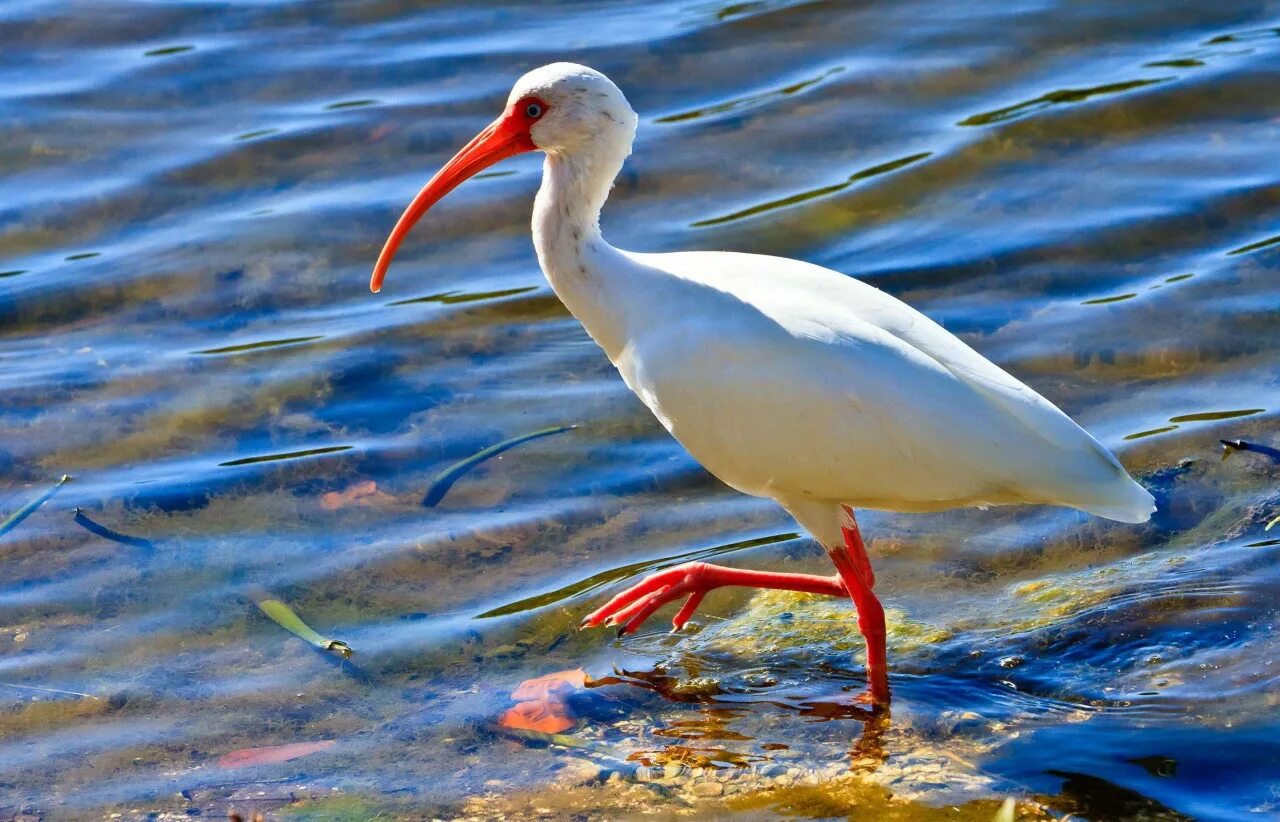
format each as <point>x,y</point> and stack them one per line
<point>866,337</point>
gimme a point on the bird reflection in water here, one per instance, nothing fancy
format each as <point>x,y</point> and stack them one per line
<point>724,704</point>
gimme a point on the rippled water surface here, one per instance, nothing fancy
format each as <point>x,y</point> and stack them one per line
<point>192,195</point>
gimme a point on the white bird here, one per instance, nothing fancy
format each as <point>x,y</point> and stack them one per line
<point>784,379</point>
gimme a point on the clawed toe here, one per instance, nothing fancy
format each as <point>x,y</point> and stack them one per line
<point>629,609</point>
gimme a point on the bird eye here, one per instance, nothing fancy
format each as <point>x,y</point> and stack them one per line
<point>533,111</point>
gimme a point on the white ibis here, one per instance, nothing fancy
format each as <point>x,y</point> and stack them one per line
<point>784,379</point>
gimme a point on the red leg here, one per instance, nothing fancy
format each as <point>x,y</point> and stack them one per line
<point>855,569</point>
<point>855,579</point>
<point>633,606</point>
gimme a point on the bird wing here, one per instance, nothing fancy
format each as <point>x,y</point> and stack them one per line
<point>852,382</point>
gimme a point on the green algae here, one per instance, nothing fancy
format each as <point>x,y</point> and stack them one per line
<point>775,620</point>
<point>856,799</point>
<point>49,715</point>
<point>343,808</point>
<point>847,797</point>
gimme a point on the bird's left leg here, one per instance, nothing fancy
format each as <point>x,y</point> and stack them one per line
<point>855,569</point>
<point>694,580</point>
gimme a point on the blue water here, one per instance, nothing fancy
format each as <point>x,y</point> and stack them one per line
<point>192,195</point>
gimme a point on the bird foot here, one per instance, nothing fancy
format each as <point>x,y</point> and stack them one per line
<point>692,581</point>
<point>629,609</point>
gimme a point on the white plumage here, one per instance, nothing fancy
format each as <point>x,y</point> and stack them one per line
<point>785,379</point>
<point>790,381</point>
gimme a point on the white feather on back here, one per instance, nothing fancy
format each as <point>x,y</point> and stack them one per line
<point>793,381</point>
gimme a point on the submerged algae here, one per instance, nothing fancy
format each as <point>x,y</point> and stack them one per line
<point>750,796</point>
<point>776,620</point>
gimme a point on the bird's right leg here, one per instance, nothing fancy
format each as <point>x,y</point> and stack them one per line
<point>694,580</point>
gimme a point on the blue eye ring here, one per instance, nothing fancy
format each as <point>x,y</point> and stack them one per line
<point>533,111</point>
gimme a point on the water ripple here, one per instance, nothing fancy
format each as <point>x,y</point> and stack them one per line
<point>190,208</point>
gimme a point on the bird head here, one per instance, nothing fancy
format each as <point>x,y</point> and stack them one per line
<point>561,108</point>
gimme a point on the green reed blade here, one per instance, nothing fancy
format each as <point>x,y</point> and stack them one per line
<point>284,616</point>
<point>611,575</point>
<point>28,509</point>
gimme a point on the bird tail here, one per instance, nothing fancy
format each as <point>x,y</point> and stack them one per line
<point>1130,503</point>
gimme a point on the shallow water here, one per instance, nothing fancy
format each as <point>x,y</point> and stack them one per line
<point>193,194</point>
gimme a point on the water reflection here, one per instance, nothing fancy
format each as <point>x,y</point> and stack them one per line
<point>185,239</point>
<point>1093,797</point>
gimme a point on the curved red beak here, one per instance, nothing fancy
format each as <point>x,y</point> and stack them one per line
<point>504,137</point>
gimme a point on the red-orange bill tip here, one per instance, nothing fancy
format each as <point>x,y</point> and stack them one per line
<point>504,137</point>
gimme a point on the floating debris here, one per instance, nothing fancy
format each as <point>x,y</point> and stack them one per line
<point>1229,446</point>
<point>1214,416</point>
<point>284,616</point>
<point>446,478</point>
<point>1151,432</point>
<point>286,455</point>
<point>1245,249</point>
<point>1241,445</point>
<point>272,754</point>
<point>1106,300</point>
<point>362,493</point>
<point>103,531</point>
<point>599,580</point>
<point>350,104</point>
<point>551,685</point>
<point>30,508</point>
<point>167,50</point>
<point>261,344</point>
<point>253,135</point>
<point>540,703</point>
<point>547,716</point>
